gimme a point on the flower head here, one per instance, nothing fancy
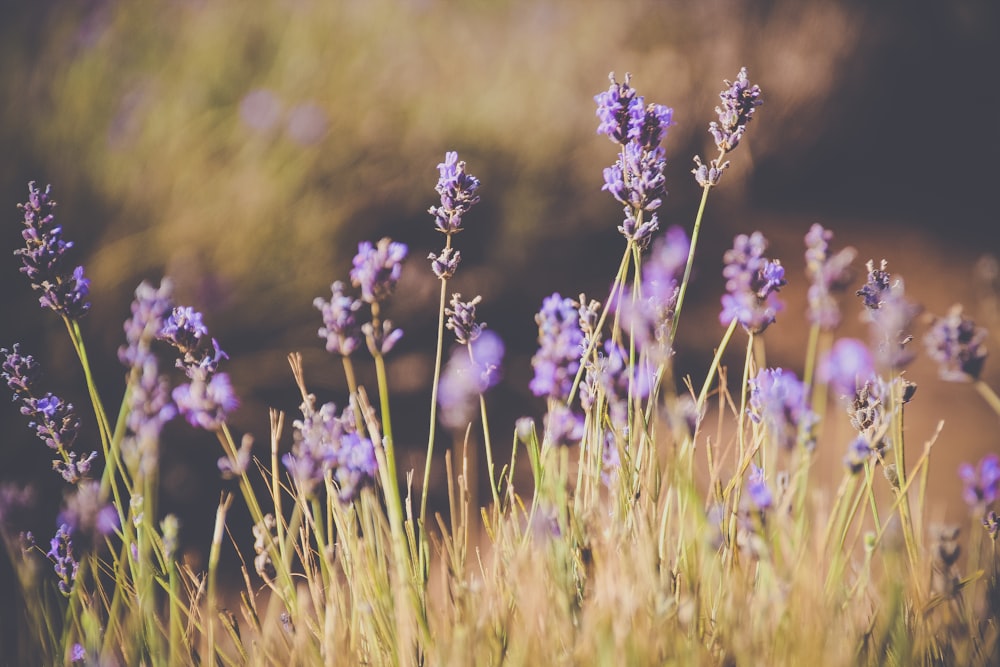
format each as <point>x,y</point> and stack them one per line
<point>752,283</point>
<point>462,319</point>
<point>151,309</point>
<point>739,102</point>
<point>200,354</point>
<point>44,258</point>
<point>827,273</point>
<point>758,490</point>
<point>982,483</point>
<point>61,554</point>
<point>559,348</point>
<point>340,327</point>
<point>20,372</point>
<point>206,403</point>
<point>377,269</point>
<point>957,344</point>
<point>779,400</point>
<point>616,109</point>
<point>445,264</point>
<point>891,315</point>
<point>458,194</point>
<point>876,286</point>
<point>847,366</point>
<point>469,373</point>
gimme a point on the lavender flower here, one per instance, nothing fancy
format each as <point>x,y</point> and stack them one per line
<point>381,339</point>
<point>859,452</point>
<point>20,372</point>
<point>200,354</point>
<point>377,269</point>
<point>752,282</point>
<point>324,442</point>
<point>982,483</point>
<point>469,373</point>
<point>54,421</point>
<point>458,194</point>
<point>206,403</point>
<point>73,470</point>
<point>616,109</point>
<point>44,260</point>
<point>562,426</point>
<point>86,515</point>
<point>847,366</point>
<point>827,274</point>
<point>445,264</point>
<point>957,344</point>
<point>891,315</point>
<point>708,175</point>
<point>150,310</point>
<point>780,401</point>
<point>150,409</point>
<point>559,351</point>
<point>462,319</point>
<point>876,286</point>
<point>340,327</point>
<point>739,102</point>
<point>61,555</point>
<point>648,318</point>
<point>758,490</point>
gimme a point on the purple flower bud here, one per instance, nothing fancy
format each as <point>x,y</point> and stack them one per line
<point>377,269</point>
<point>150,310</point>
<point>827,274</point>
<point>739,102</point>
<point>957,344</point>
<point>752,282</point>
<point>982,483</point>
<point>458,194</point>
<point>43,258</point>
<point>616,109</point>
<point>445,265</point>
<point>758,490</point>
<point>19,372</point>
<point>708,175</point>
<point>462,319</point>
<point>847,366</point>
<point>558,357</point>
<point>891,316</point>
<point>54,421</point>
<point>61,554</point>
<point>562,426</point>
<point>206,403</point>
<point>876,286</point>
<point>381,339</point>
<point>468,375</point>
<point>779,400</point>
<point>340,327</point>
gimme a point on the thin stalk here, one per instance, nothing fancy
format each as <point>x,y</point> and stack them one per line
<point>988,395</point>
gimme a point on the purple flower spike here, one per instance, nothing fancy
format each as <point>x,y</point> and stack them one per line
<point>61,555</point>
<point>957,344</point>
<point>458,194</point>
<point>559,351</point>
<point>462,319</point>
<point>758,490</point>
<point>340,327</point>
<point>876,286</point>
<point>982,483</point>
<point>445,264</point>
<point>206,403</point>
<point>20,372</point>
<point>739,102</point>
<point>827,274</point>
<point>377,269</point>
<point>616,109</point>
<point>779,400</point>
<point>847,366</point>
<point>44,260</point>
<point>467,376</point>
<point>150,310</point>
<point>752,282</point>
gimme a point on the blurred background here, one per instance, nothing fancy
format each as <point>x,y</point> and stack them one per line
<point>244,148</point>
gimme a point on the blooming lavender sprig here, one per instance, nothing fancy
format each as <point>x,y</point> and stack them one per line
<point>462,319</point>
<point>326,441</point>
<point>340,326</point>
<point>758,490</point>
<point>150,309</point>
<point>739,102</point>
<point>982,482</point>
<point>752,283</point>
<point>445,264</point>
<point>20,372</point>
<point>890,314</point>
<point>44,258</point>
<point>458,194</point>
<point>957,345</point>
<point>206,403</point>
<point>559,339</point>
<point>377,269</point>
<point>779,400</point>
<point>61,555</point>
<point>470,372</point>
<point>637,179</point>
<point>828,273</point>
<point>848,365</point>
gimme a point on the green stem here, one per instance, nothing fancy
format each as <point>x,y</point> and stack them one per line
<point>432,429</point>
<point>988,395</point>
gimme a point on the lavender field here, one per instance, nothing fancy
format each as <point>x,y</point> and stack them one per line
<point>338,338</point>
